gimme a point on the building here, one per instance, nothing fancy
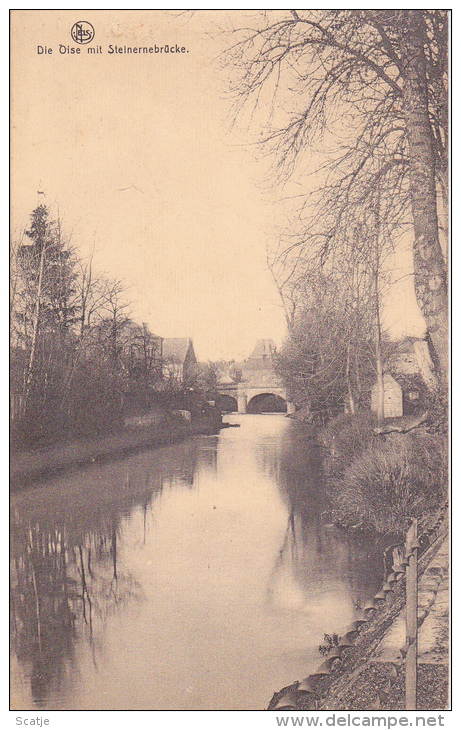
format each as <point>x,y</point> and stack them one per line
<point>179,362</point>
<point>258,368</point>
<point>393,399</point>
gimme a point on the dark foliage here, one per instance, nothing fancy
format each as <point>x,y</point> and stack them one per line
<point>390,482</point>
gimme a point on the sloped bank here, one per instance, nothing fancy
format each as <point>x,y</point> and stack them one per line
<point>349,678</point>
<point>28,466</point>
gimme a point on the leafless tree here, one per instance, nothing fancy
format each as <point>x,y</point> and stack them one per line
<point>92,294</point>
<point>369,87</point>
<point>114,316</point>
<point>66,324</point>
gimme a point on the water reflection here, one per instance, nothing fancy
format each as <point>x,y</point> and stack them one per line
<point>315,559</point>
<point>65,573</point>
<point>208,562</point>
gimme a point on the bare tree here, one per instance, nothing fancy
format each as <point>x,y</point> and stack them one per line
<point>328,347</point>
<point>92,293</point>
<point>66,326</point>
<point>372,85</point>
<point>114,316</point>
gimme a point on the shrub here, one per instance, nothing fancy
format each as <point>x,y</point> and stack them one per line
<point>346,437</point>
<point>438,406</point>
<point>391,482</point>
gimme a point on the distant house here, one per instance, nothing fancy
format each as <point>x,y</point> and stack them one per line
<point>412,367</point>
<point>178,359</point>
<point>393,400</point>
<point>132,344</point>
<point>259,366</point>
<point>225,380</point>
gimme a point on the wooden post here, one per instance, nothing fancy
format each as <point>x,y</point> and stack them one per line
<point>412,619</point>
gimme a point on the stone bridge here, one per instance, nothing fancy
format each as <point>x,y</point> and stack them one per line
<point>258,382</point>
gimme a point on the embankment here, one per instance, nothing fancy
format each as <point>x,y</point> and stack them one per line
<point>28,466</point>
<point>354,676</point>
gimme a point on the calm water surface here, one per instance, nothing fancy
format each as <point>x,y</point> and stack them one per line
<point>199,576</point>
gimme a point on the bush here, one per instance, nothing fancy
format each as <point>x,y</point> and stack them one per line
<point>438,406</point>
<point>391,482</point>
<point>346,437</point>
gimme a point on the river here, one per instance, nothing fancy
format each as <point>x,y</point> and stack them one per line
<point>197,576</point>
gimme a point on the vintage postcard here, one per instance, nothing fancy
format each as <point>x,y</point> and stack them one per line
<point>229,364</point>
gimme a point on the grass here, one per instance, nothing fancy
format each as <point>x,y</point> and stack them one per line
<point>346,437</point>
<point>389,482</point>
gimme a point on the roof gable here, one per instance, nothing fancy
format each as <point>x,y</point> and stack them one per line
<point>175,349</point>
<point>264,349</point>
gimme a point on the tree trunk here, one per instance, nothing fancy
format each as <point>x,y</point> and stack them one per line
<point>429,263</point>
<point>35,327</point>
<point>350,395</point>
<point>358,380</point>
<point>379,371</point>
<point>379,335</point>
<point>425,363</point>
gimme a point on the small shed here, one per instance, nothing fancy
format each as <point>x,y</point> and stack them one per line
<point>393,400</point>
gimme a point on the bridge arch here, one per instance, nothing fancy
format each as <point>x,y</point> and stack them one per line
<point>266,402</point>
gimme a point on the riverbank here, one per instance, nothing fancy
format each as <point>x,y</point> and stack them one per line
<point>28,466</point>
<point>380,680</point>
<point>367,670</point>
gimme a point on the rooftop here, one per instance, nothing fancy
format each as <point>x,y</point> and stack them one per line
<point>175,348</point>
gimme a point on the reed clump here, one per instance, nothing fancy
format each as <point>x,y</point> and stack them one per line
<point>379,483</point>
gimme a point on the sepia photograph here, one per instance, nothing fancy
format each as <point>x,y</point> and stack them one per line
<point>229,364</point>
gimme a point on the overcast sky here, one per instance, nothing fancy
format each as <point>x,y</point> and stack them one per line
<point>135,150</point>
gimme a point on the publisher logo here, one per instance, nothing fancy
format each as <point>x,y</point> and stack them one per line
<point>82,32</point>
